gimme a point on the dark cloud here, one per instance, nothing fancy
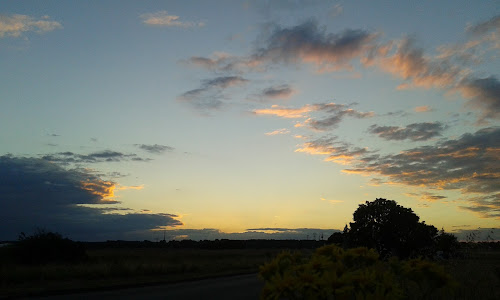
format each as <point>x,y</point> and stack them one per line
<point>415,132</point>
<point>337,112</point>
<point>469,164</point>
<point>37,193</point>
<point>209,96</point>
<point>94,157</point>
<point>484,95</point>
<point>308,43</point>
<point>484,27</point>
<point>277,92</point>
<point>156,149</point>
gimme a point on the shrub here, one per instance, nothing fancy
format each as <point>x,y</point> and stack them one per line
<point>358,273</point>
<point>45,247</point>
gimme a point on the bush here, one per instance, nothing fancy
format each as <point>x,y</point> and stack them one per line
<point>358,273</point>
<point>44,247</point>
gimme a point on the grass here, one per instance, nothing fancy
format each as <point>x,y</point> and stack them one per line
<point>477,272</point>
<point>107,268</point>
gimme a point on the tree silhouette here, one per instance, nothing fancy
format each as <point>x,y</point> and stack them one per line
<point>391,229</point>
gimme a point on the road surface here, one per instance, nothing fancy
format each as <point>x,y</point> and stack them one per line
<point>240,287</point>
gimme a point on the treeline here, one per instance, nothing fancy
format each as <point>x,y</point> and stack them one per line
<point>210,244</point>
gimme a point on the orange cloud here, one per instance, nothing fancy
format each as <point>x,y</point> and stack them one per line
<point>425,108</point>
<point>291,113</point>
<point>132,187</point>
<point>104,189</point>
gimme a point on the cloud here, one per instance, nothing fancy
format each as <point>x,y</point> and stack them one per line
<point>155,149</point>
<point>469,164</point>
<point>209,96</point>
<point>337,151</point>
<point>415,132</point>
<point>162,18</point>
<point>307,43</point>
<point>221,61</point>
<point>283,112</point>
<point>485,206</point>
<point>38,193</point>
<point>15,25</point>
<point>483,95</point>
<point>336,10</point>
<point>418,70</point>
<point>278,131</point>
<point>94,157</point>
<point>484,27</point>
<point>335,114</point>
<point>284,91</point>
<point>427,197</point>
<point>410,63</point>
<point>425,108</point>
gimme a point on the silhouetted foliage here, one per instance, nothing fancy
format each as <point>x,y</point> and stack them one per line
<point>391,229</point>
<point>45,246</point>
<point>446,243</point>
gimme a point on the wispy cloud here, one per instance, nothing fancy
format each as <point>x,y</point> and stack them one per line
<point>284,112</point>
<point>492,24</point>
<point>162,18</point>
<point>335,150</point>
<point>15,25</point>
<point>334,112</point>
<point>420,109</point>
<point>278,132</point>
<point>209,96</point>
<point>415,132</point>
<point>94,157</point>
<point>284,91</point>
<point>155,149</point>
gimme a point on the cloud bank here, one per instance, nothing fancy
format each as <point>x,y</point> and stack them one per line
<point>75,202</point>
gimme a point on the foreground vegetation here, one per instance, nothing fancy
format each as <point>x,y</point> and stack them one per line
<point>112,267</point>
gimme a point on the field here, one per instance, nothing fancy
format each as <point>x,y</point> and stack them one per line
<point>129,266</point>
<point>477,272</point>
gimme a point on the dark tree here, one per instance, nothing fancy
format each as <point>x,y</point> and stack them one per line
<point>45,247</point>
<point>391,229</point>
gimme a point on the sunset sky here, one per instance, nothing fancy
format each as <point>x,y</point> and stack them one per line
<point>246,119</point>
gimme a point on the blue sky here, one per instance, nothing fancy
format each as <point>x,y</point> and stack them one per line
<point>246,118</point>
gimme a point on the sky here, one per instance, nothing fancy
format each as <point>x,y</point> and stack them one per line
<point>246,119</point>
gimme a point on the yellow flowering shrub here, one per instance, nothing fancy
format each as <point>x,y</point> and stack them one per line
<point>334,273</point>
